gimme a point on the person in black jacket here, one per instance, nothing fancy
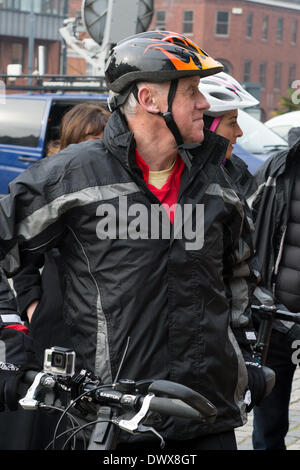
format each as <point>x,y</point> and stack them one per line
<point>84,121</point>
<point>182,300</point>
<point>276,213</point>
<point>39,288</point>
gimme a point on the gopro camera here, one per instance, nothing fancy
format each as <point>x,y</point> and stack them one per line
<point>59,361</point>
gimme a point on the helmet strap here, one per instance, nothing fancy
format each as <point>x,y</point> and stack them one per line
<point>168,117</point>
<point>215,123</point>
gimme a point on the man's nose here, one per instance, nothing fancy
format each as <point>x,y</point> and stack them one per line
<point>202,102</point>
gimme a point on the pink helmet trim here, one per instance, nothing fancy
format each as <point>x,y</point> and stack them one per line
<point>215,123</point>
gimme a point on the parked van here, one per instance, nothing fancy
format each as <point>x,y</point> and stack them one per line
<point>27,123</point>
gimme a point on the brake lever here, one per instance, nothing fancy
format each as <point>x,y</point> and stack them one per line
<point>134,425</point>
<point>29,402</point>
<point>142,428</point>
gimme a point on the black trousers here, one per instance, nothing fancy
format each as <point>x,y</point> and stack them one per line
<point>271,417</point>
<point>221,441</point>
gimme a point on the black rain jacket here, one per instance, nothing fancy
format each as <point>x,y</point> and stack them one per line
<point>177,304</point>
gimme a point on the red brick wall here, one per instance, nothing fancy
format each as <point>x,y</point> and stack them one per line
<point>236,48</point>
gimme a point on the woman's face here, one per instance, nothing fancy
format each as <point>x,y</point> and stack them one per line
<point>229,128</point>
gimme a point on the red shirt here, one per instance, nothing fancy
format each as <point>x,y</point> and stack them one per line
<point>168,194</point>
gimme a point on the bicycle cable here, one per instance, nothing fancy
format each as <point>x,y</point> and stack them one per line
<point>65,411</point>
<point>74,422</point>
<point>82,427</point>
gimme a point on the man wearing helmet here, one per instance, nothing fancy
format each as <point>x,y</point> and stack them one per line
<point>185,309</point>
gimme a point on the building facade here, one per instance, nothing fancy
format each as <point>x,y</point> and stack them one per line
<point>256,40</point>
<point>24,26</point>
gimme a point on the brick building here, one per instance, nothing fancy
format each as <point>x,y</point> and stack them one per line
<point>256,40</point>
<point>25,24</point>
<point>18,22</point>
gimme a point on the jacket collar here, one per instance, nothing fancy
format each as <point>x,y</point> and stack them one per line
<point>119,140</point>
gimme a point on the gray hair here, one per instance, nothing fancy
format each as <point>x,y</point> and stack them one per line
<point>130,105</point>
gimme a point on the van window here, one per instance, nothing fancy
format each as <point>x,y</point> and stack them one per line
<point>20,122</point>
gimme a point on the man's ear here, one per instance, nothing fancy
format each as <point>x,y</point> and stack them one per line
<point>147,100</point>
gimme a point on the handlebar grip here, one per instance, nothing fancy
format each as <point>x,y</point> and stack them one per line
<point>289,316</point>
<point>176,407</point>
<point>274,312</point>
<point>184,394</point>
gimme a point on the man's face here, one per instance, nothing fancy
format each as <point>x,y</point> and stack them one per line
<point>187,109</point>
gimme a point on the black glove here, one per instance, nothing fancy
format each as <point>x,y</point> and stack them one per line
<point>261,380</point>
<point>16,356</point>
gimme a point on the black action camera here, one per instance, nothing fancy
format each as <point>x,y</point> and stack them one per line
<point>59,361</point>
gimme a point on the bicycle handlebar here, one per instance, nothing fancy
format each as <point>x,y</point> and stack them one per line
<point>124,405</point>
<point>177,400</point>
<point>276,313</point>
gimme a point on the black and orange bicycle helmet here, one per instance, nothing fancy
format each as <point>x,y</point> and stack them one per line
<point>155,56</point>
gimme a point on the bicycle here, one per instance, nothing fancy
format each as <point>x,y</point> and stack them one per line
<point>267,315</point>
<point>124,405</point>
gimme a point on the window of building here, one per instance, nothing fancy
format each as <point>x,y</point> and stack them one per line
<point>222,23</point>
<point>160,22</point>
<point>25,5</point>
<point>12,4</point>
<point>279,33</point>
<point>294,31</point>
<point>247,71</point>
<point>265,27</point>
<point>249,25</point>
<point>292,74</point>
<point>188,21</point>
<point>277,75</point>
<point>17,53</point>
<point>51,7</point>
<point>263,74</point>
<point>228,67</point>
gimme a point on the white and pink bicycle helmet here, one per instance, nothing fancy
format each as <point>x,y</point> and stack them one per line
<point>224,94</point>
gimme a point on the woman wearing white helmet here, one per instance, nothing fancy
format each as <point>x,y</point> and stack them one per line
<point>226,96</point>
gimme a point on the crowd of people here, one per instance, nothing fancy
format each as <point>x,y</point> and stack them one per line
<point>165,145</point>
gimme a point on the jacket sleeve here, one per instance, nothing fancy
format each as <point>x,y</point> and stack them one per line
<point>263,180</point>
<point>31,215</point>
<point>28,286</point>
<point>241,278</point>
<point>8,304</point>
